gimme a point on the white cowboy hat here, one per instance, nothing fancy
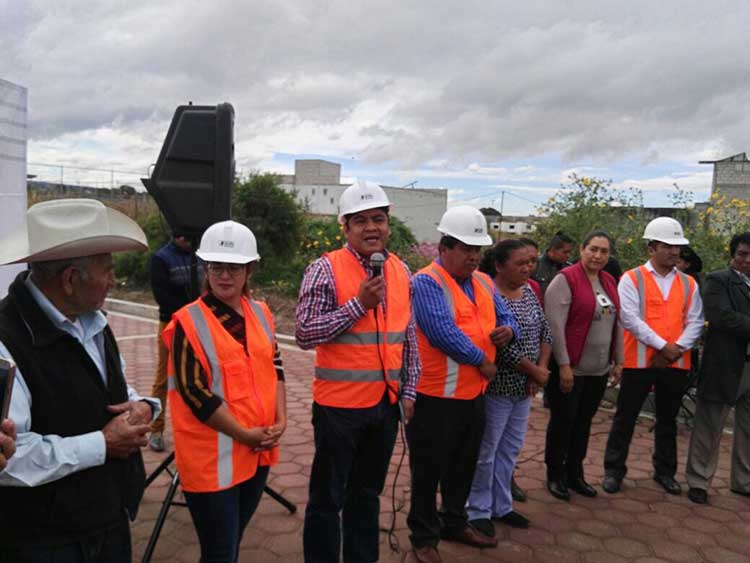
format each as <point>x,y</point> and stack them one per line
<point>70,228</point>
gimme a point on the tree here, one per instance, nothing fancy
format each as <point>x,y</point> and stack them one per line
<point>276,219</point>
<point>586,204</point>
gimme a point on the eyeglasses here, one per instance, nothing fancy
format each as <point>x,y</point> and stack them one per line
<point>218,268</point>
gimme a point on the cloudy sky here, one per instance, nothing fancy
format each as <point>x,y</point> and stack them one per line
<point>477,97</point>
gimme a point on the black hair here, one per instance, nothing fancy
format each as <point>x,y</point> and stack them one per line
<point>503,249</point>
<point>559,240</point>
<point>529,242</point>
<point>594,234</point>
<point>695,264</point>
<point>348,216</point>
<point>448,241</point>
<point>737,240</point>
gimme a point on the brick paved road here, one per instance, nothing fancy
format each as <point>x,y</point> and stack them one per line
<point>642,524</point>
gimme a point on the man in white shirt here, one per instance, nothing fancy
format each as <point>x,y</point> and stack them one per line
<point>77,472</point>
<point>662,314</point>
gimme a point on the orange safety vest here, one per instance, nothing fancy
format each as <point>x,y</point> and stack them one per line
<point>441,375</point>
<point>349,369</point>
<point>667,318</point>
<point>206,459</point>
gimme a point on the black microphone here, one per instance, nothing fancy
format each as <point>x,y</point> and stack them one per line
<point>376,263</point>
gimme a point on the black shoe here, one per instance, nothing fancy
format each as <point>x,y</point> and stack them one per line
<point>738,492</point>
<point>558,489</point>
<point>485,526</point>
<point>513,519</point>
<point>518,494</point>
<point>582,487</point>
<point>611,484</point>
<point>668,484</point>
<point>698,496</point>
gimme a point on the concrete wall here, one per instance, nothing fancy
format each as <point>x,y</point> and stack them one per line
<point>732,179</point>
<point>420,209</point>
<point>317,184</point>
<point>313,172</point>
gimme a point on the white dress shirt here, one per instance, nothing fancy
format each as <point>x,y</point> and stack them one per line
<point>631,321</point>
<point>40,459</point>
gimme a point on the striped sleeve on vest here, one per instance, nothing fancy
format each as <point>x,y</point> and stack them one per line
<point>191,380</point>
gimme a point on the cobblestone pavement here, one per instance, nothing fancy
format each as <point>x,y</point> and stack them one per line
<point>641,524</point>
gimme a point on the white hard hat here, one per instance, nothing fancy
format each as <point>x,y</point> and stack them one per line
<point>228,241</point>
<point>467,224</point>
<point>361,196</point>
<point>666,230</point>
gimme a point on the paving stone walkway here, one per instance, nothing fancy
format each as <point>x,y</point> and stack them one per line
<point>641,524</point>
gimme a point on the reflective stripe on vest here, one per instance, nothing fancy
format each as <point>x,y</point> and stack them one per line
<point>349,370</point>
<point>225,443</point>
<point>244,377</point>
<point>451,376</point>
<point>640,286</point>
<point>441,375</point>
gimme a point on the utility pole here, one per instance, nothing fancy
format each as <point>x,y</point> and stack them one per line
<point>502,204</point>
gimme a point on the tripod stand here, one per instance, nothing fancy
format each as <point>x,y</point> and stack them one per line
<point>169,501</point>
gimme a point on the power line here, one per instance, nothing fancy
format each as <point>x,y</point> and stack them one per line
<point>89,169</point>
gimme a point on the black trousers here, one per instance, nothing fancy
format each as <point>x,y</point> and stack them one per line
<point>669,385</point>
<point>110,546</point>
<point>444,438</point>
<point>569,424</point>
<point>353,448</point>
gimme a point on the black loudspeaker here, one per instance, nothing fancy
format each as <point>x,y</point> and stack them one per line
<point>193,177</point>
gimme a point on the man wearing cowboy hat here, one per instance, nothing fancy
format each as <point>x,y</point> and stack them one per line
<point>77,472</point>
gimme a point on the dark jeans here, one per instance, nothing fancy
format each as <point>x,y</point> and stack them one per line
<point>111,546</point>
<point>569,424</point>
<point>353,448</point>
<point>669,385</point>
<point>444,438</point>
<point>220,518</point>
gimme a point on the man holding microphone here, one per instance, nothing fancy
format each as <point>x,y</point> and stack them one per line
<point>354,309</point>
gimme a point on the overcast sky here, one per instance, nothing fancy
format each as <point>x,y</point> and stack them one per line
<point>478,97</point>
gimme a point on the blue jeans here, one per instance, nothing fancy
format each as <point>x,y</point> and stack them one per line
<point>504,433</point>
<point>220,518</point>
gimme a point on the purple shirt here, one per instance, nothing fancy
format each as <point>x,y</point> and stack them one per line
<point>320,319</point>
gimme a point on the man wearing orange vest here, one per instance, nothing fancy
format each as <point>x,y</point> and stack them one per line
<point>354,309</point>
<point>460,320</point>
<point>662,315</point>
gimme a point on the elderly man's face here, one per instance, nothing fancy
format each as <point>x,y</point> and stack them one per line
<point>90,288</point>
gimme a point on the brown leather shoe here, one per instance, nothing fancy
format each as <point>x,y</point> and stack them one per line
<point>427,554</point>
<point>470,536</point>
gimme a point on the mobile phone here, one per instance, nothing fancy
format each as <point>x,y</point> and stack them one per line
<point>7,375</point>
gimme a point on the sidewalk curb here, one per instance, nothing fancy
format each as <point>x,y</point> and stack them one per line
<point>151,312</point>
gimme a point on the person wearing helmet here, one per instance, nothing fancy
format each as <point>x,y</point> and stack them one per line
<point>662,314</point>
<point>354,309</point>
<point>461,319</point>
<point>226,393</point>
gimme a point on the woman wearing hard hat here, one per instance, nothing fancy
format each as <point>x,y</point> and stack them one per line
<point>226,393</point>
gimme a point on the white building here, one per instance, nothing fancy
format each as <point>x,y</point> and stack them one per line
<point>317,184</point>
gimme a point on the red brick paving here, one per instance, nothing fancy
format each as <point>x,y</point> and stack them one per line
<point>642,524</point>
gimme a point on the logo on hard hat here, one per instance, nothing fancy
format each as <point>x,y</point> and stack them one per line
<point>479,230</point>
<point>226,243</point>
<point>365,197</point>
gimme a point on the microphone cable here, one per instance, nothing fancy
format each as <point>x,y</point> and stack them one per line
<point>390,531</point>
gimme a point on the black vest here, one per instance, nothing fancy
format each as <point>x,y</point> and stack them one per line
<point>69,398</point>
